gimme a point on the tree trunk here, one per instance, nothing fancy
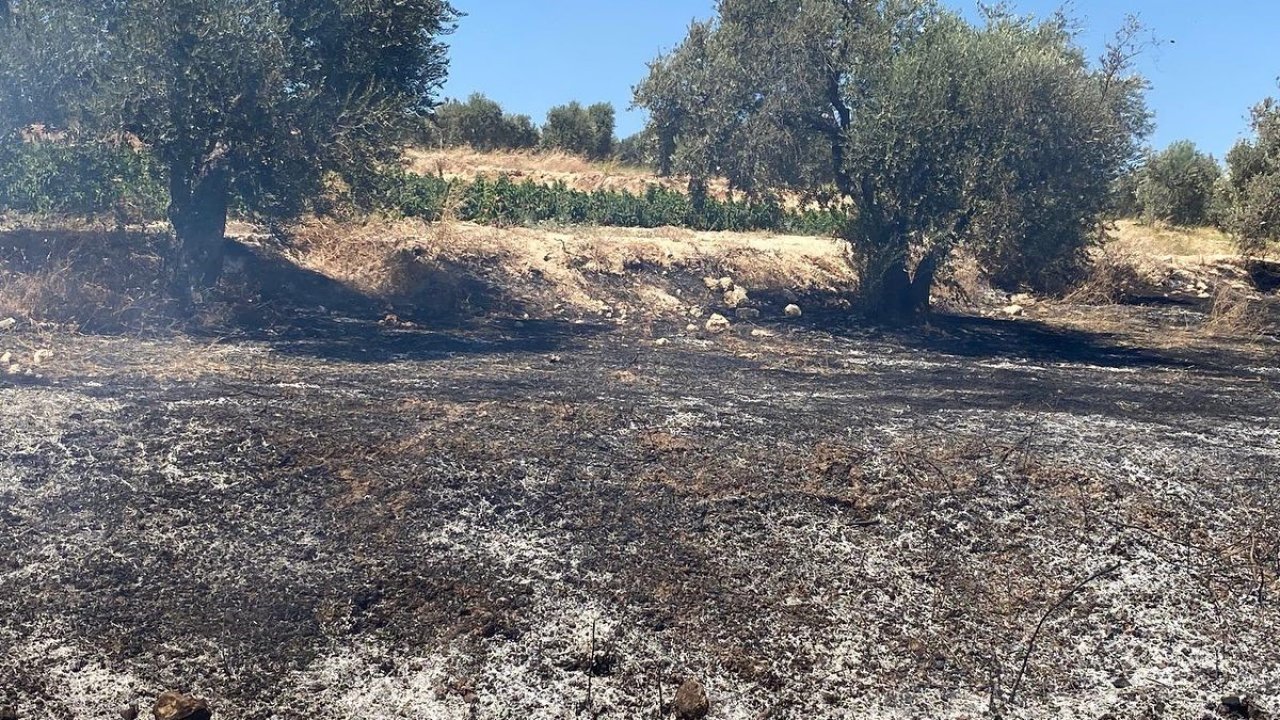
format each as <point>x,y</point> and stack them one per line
<point>198,212</point>
<point>894,293</point>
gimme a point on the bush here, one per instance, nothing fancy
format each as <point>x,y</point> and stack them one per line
<point>64,178</point>
<point>503,202</point>
<point>1176,186</point>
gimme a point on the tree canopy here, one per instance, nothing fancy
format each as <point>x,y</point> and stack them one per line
<point>256,100</point>
<point>931,131</point>
<point>1177,185</point>
<point>586,131</point>
<point>482,124</point>
<point>1253,183</point>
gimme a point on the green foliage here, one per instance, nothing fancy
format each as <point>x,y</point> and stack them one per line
<point>481,123</point>
<point>1124,196</point>
<point>263,99</point>
<point>1176,186</point>
<point>586,131</point>
<point>506,203</point>
<point>1251,192</point>
<point>933,132</point>
<point>636,150</point>
<point>61,178</point>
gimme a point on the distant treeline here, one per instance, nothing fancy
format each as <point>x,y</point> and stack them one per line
<point>482,124</point>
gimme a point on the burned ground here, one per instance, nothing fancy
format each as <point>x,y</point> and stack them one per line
<point>544,519</point>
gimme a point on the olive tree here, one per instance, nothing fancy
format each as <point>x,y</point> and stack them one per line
<point>932,132</point>
<point>482,124</point>
<point>1176,185</point>
<point>1252,187</point>
<point>586,131</point>
<point>256,101</point>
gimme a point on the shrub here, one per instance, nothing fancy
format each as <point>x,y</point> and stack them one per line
<point>64,178</point>
<point>503,202</point>
<point>1176,186</point>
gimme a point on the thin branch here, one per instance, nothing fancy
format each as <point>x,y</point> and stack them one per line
<point>1031,644</point>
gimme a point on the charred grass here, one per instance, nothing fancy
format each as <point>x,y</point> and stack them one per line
<point>324,514</point>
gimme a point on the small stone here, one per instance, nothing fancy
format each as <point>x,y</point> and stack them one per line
<point>129,712</point>
<point>744,313</point>
<point>1022,299</point>
<point>40,356</point>
<point>761,333</point>
<point>15,369</point>
<point>696,312</point>
<point>793,311</point>
<point>660,342</point>
<point>691,701</point>
<point>1121,683</point>
<point>691,328</point>
<point>1013,310</point>
<point>6,359</point>
<point>726,284</point>
<point>8,323</point>
<point>173,705</point>
<point>711,283</point>
<point>8,713</point>
<point>717,323</point>
<point>735,297</point>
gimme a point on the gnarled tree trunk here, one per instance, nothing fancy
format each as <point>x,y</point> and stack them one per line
<point>198,212</point>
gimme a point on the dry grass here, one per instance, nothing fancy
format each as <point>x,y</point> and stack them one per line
<point>1115,276</point>
<point>543,168</point>
<point>1172,242</point>
<point>87,278</point>
<point>633,272</point>
<point>1235,313</point>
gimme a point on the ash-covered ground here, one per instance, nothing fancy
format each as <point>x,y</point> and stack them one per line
<point>542,520</point>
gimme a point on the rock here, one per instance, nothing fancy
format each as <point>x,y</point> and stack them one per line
<point>717,323</point>
<point>660,342</point>
<point>6,359</point>
<point>761,333</point>
<point>1238,706</point>
<point>1013,310</point>
<point>8,713</point>
<point>691,701</point>
<point>696,312</point>
<point>735,297</point>
<point>8,323</point>
<point>173,705</point>
<point>691,328</point>
<point>1121,683</point>
<point>711,283</point>
<point>745,313</point>
<point>725,283</point>
<point>128,712</point>
<point>1022,299</point>
<point>40,356</point>
<point>15,369</point>
<point>793,311</point>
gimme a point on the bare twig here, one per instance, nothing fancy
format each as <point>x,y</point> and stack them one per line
<point>1031,643</point>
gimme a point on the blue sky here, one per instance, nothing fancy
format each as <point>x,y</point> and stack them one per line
<point>1216,60</point>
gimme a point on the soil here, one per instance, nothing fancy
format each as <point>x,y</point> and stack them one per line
<point>328,516</point>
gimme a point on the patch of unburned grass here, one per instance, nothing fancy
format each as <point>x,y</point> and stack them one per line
<point>1165,240</point>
